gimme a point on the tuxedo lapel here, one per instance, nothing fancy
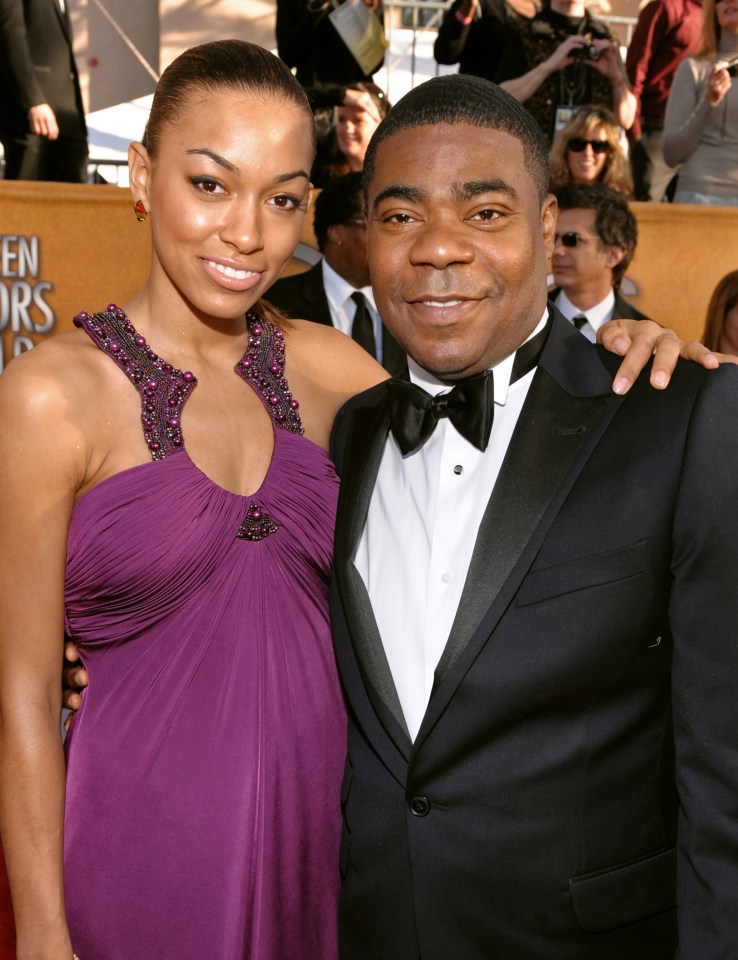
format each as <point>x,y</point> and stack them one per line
<point>366,444</point>
<point>314,294</point>
<point>569,405</point>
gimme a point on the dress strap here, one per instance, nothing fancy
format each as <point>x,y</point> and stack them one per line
<point>162,388</point>
<point>262,366</point>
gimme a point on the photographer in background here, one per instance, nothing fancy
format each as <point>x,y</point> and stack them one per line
<point>561,59</point>
<point>701,125</point>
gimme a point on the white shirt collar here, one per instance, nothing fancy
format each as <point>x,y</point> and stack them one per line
<point>502,371</point>
<point>597,315</point>
<point>338,290</point>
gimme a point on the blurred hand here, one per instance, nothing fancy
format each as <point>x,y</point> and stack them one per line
<point>610,64</point>
<point>561,57</point>
<point>718,83</point>
<point>43,121</point>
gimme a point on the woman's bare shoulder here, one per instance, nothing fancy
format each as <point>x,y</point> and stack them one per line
<point>322,352</point>
<point>59,376</point>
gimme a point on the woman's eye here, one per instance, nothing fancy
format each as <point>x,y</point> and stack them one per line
<point>206,185</point>
<point>286,202</point>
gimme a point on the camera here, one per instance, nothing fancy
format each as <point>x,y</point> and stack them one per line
<point>587,51</point>
<point>732,67</point>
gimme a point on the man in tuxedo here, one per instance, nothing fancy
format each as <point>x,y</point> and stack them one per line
<point>42,122</point>
<point>337,289</point>
<point>533,610</point>
<point>595,239</point>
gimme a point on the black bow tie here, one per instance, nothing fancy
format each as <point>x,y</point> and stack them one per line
<point>470,406</point>
<point>415,413</point>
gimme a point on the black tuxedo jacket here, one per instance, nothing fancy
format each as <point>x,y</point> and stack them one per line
<point>623,310</point>
<point>302,296</point>
<point>37,65</point>
<point>575,776</point>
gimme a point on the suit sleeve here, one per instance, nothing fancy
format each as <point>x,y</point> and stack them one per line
<point>16,56</point>
<point>452,36</point>
<point>704,621</point>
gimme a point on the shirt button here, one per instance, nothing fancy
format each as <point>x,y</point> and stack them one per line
<point>458,469</point>
<point>446,576</point>
<point>420,806</point>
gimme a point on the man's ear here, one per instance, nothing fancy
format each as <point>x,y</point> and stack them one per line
<point>549,216</point>
<point>139,173</point>
<point>613,256</point>
<point>333,233</point>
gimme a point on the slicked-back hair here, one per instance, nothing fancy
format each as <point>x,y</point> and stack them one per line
<point>461,98</point>
<point>338,201</point>
<point>615,222</point>
<point>221,65</point>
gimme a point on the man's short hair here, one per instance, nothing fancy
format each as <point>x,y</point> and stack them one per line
<point>461,98</point>
<point>338,202</point>
<point>615,222</point>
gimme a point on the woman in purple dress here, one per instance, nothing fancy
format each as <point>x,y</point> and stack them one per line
<point>168,495</point>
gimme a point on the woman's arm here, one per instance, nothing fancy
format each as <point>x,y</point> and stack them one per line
<point>687,111</point>
<point>42,459</point>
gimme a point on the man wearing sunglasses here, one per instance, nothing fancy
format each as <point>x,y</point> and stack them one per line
<point>594,242</point>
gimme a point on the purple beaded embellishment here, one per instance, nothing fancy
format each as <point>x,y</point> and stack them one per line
<point>257,524</point>
<point>163,389</point>
<point>263,367</point>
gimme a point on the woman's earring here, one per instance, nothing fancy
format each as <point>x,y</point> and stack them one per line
<point>140,210</point>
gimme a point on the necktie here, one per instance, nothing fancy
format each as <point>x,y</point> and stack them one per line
<point>579,321</point>
<point>362,328</point>
<point>469,406</point>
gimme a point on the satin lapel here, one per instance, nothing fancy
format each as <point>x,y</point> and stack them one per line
<point>555,434</point>
<point>394,358</point>
<point>360,466</point>
<point>314,293</point>
<point>63,18</point>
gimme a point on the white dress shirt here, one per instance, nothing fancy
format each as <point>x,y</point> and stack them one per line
<point>338,293</point>
<point>597,315</point>
<point>421,527</point>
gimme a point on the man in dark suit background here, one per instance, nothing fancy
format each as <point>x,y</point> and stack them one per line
<point>533,610</point>
<point>594,243</point>
<point>42,123</point>
<point>337,289</point>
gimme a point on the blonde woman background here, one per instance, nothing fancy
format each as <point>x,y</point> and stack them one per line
<point>589,150</point>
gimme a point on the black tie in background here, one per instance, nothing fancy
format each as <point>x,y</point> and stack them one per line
<point>362,328</point>
<point>470,405</point>
<point>579,321</point>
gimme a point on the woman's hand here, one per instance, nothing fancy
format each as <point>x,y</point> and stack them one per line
<point>639,340</point>
<point>718,83</point>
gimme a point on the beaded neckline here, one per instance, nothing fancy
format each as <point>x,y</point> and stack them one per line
<point>164,389</point>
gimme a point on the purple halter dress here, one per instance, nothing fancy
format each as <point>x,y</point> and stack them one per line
<point>204,766</point>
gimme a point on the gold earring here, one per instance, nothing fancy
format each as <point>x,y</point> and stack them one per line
<point>140,210</point>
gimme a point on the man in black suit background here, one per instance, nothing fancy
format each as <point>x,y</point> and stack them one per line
<point>42,123</point>
<point>337,290</point>
<point>594,243</point>
<point>533,609</point>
